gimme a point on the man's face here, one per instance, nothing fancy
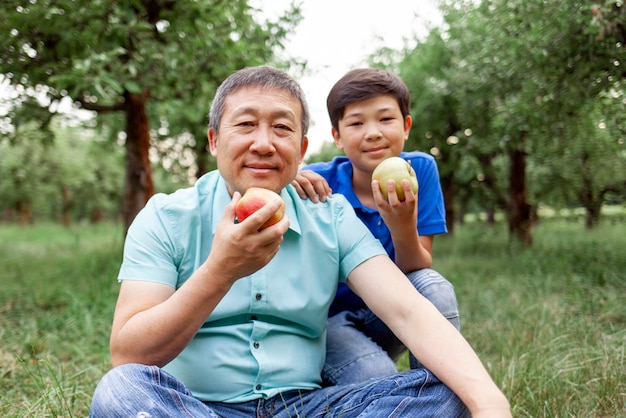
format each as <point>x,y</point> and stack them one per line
<point>260,139</point>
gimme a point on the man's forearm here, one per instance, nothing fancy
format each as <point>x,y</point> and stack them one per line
<point>157,334</point>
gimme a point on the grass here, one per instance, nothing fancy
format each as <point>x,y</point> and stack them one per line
<point>57,300</point>
<point>548,321</point>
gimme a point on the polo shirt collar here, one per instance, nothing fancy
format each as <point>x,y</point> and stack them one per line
<point>344,172</point>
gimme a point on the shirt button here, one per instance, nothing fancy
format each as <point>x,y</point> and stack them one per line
<point>258,296</point>
<point>256,344</point>
<point>258,387</point>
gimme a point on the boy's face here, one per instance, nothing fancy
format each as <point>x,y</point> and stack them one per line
<point>260,139</point>
<point>372,130</point>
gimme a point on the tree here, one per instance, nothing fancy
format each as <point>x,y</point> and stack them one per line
<point>42,174</point>
<point>523,70</point>
<point>110,56</point>
<point>436,126</point>
<point>589,157</point>
<point>327,152</point>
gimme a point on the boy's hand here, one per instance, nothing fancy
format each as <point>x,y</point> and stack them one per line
<point>311,185</point>
<point>397,214</point>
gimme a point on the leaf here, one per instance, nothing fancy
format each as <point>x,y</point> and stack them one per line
<point>133,87</point>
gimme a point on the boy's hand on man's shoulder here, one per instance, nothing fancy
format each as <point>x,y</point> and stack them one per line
<point>311,185</point>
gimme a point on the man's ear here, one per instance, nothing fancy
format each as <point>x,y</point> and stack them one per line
<point>337,138</point>
<point>212,142</point>
<point>303,148</point>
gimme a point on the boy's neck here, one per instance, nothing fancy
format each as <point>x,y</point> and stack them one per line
<point>362,186</point>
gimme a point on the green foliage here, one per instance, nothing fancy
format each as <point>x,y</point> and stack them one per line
<point>326,153</point>
<point>587,157</point>
<point>66,172</point>
<point>531,76</point>
<point>95,51</point>
<point>166,57</point>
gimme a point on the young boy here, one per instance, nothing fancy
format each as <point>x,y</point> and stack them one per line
<point>369,113</point>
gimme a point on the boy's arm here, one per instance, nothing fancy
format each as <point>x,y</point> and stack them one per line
<point>428,335</point>
<point>412,251</point>
<point>311,185</point>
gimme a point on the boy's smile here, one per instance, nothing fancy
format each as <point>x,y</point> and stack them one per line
<point>372,130</point>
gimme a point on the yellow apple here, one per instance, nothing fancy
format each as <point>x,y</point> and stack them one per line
<point>396,169</point>
<point>254,199</point>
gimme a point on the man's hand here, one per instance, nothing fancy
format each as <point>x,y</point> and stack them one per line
<point>241,249</point>
<point>311,185</point>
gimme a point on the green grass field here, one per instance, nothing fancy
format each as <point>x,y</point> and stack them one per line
<point>548,321</point>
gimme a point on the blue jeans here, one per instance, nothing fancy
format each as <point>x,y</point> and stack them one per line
<point>135,390</point>
<point>360,346</point>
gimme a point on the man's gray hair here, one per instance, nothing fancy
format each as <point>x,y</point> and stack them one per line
<point>262,76</point>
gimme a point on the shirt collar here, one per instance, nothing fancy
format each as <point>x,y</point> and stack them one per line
<point>223,198</point>
<point>344,172</point>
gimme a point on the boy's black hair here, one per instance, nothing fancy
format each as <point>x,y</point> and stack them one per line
<point>363,84</point>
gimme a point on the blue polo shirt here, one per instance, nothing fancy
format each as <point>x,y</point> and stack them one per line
<point>430,210</point>
<point>267,335</point>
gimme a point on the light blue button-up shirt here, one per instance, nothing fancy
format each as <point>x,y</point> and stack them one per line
<point>267,335</point>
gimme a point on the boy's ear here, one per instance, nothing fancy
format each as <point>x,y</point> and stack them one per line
<point>408,122</point>
<point>337,138</point>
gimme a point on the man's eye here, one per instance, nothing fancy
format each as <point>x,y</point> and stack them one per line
<point>283,127</point>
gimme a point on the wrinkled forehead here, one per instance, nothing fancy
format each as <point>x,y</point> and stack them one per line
<point>276,101</point>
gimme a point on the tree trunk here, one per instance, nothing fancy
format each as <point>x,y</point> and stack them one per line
<point>586,196</point>
<point>202,156</point>
<point>592,216</point>
<point>490,213</point>
<point>66,206</point>
<point>24,212</point>
<point>97,215</point>
<point>519,215</point>
<point>138,183</point>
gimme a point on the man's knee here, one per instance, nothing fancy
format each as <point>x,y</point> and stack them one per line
<point>352,356</point>
<point>117,388</point>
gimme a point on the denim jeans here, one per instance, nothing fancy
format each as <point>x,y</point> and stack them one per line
<point>141,391</point>
<point>360,346</point>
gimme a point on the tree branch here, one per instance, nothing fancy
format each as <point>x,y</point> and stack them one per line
<point>100,108</point>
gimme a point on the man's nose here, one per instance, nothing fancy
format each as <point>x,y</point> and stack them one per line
<point>263,141</point>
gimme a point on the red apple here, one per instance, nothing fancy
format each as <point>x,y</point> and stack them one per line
<point>396,169</point>
<point>254,199</point>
